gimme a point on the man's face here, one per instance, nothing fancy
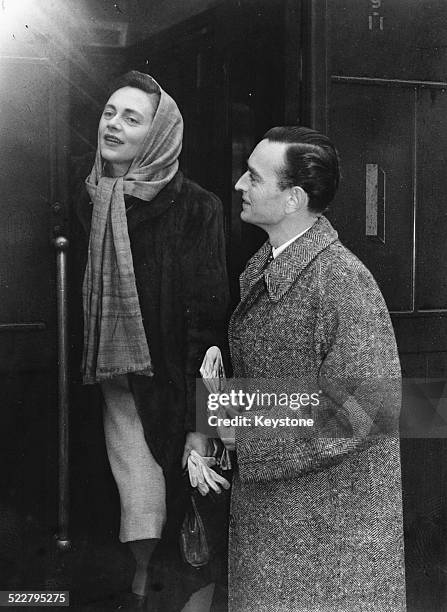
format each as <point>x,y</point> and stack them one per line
<point>125,121</point>
<point>263,202</point>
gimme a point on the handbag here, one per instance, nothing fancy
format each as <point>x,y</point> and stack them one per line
<point>204,530</point>
<point>193,540</point>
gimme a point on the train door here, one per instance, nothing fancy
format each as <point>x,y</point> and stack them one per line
<point>32,108</point>
<point>226,70</point>
<point>378,87</point>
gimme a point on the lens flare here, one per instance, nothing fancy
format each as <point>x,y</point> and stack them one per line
<point>17,19</point>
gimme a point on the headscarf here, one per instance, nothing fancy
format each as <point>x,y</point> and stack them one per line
<point>115,342</point>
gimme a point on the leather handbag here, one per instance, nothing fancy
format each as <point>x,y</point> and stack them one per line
<point>204,531</point>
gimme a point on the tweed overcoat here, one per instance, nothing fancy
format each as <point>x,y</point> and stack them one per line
<point>316,523</point>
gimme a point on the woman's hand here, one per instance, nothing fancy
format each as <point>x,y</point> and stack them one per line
<point>198,442</point>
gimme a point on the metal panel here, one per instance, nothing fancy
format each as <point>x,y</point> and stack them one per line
<point>27,171</point>
<point>373,128</point>
<point>431,292</point>
<point>399,39</point>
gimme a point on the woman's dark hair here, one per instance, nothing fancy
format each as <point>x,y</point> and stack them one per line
<point>311,162</point>
<point>135,79</point>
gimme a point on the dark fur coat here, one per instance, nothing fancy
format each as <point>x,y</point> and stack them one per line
<point>178,251</point>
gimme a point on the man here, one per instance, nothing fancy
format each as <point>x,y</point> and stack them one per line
<point>316,520</point>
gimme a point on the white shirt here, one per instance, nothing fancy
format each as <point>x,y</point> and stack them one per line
<point>278,250</point>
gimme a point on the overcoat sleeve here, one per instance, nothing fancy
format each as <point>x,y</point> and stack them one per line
<point>360,382</point>
<point>205,293</point>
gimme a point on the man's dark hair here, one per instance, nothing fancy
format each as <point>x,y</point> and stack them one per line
<point>135,79</point>
<point>311,162</point>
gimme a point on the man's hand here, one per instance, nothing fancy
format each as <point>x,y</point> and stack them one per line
<point>212,370</point>
<point>212,364</point>
<point>196,441</point>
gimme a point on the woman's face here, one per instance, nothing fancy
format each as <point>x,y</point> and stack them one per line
<point>124,123</point>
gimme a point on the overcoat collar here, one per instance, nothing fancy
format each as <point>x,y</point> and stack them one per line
<point>285,269</point>
<point>138,210</point>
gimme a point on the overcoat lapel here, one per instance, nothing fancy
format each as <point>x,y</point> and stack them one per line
<point>283,271</point>
<point>254,270</point>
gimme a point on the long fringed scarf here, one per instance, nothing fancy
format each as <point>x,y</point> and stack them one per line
<point>115,342</point>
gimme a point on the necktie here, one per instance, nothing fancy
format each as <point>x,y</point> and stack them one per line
<point>269,258</point>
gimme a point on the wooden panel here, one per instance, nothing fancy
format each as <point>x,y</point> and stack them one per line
<point>375,125</point>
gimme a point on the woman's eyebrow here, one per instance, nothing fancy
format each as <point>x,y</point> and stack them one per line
<point>134,112</point>
<point>126,110</point>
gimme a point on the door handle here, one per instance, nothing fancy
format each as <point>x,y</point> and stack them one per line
<point>375,186</point>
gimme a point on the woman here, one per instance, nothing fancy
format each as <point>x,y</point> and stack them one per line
<point>154,297</point>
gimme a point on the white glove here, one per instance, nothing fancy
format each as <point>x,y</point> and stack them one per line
<point>212,370</point>
<point>202,477</point>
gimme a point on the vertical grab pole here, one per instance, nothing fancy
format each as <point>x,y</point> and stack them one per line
<point>61,245</point>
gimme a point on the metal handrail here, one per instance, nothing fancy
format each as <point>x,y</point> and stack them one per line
<point>61,244</point>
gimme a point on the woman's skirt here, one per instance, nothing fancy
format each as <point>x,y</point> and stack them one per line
<point>139,477</point>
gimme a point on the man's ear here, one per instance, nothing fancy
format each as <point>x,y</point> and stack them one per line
<point>297,200</point>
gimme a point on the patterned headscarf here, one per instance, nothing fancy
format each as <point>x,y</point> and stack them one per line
<point>114,338</point>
